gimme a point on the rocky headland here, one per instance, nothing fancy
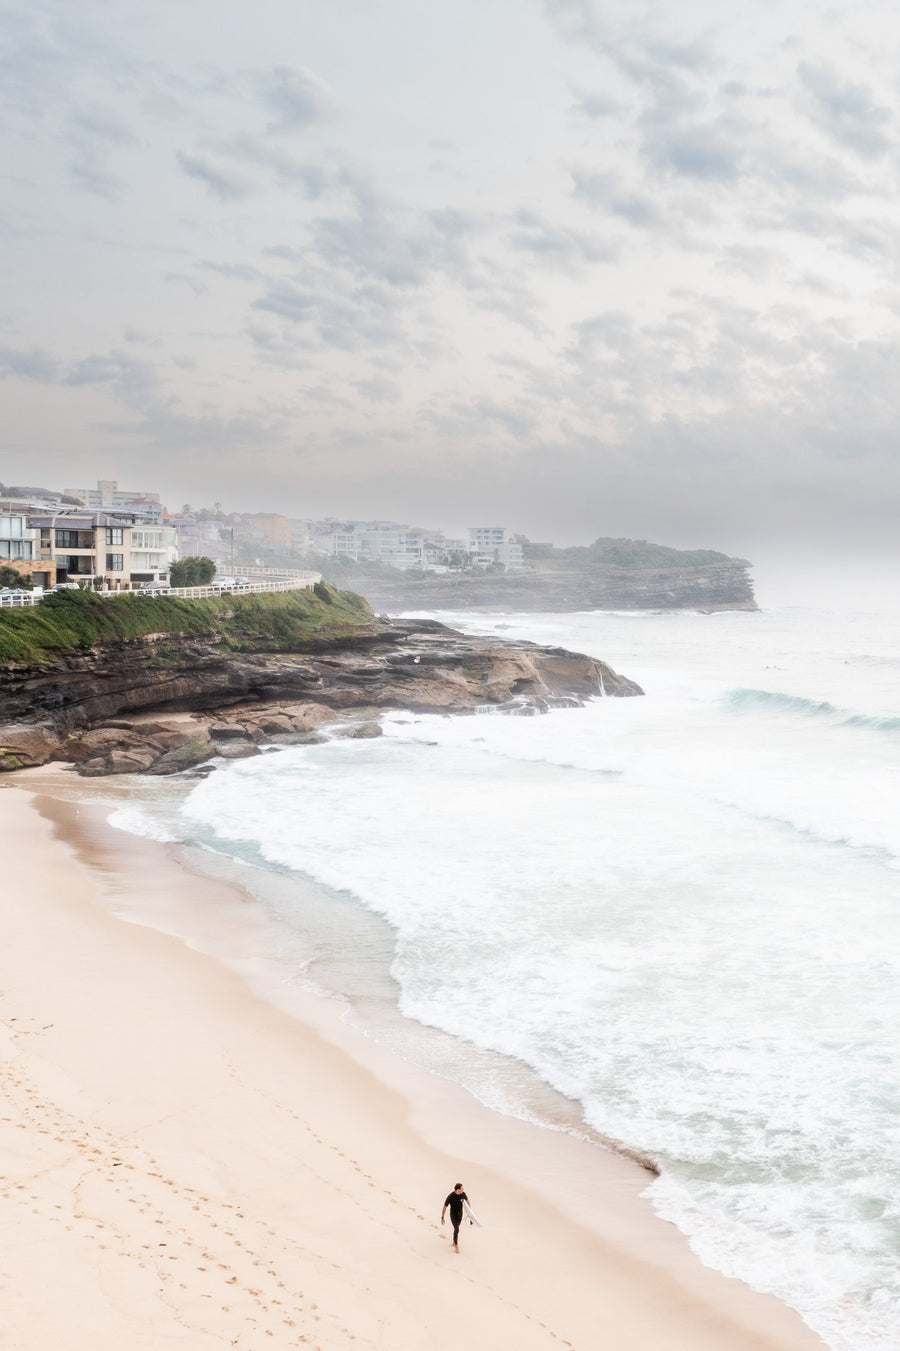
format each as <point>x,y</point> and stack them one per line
<point>165,702</point>
<point>718,586</point>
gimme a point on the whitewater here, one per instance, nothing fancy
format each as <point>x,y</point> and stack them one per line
<point>680,912</point>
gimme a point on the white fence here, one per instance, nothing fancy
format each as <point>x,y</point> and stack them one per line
<point>275,580</point>
<point>260,580</point>
<point>25,598</point>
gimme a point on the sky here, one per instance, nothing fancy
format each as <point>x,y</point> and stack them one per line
<point>574,267</point>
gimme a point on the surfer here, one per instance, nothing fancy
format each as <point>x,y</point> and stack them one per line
<point>455,1201</point>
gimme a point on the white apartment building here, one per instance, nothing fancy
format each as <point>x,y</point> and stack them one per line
<point>493,544</point>
<point>339,544</point>
<point>153,550</point>
<point>17,544</point>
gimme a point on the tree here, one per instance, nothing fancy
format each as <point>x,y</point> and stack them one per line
<point>192,571</point>
<point>10,577</point>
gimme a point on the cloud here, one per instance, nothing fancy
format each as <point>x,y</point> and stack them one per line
<point>846,112</point>
<point>578,21</point>
<point>751,260</point>
<point>605,192</point>
<point>35,364</point>
<point>559,246</point>
<point>225,187</point>
<point>312,179</point>
<point>597,106</point>
<point>288,302</point>
<point>378,389</point>
<point>237,271</point>
<point>89,174</point>
<point>712,150</point>
<point>295,96</point>
<point>101,125</point>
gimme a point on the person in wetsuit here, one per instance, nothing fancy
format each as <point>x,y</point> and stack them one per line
<point>455,1203</point>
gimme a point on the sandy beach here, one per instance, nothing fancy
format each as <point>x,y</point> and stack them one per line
<point>185,1164</point>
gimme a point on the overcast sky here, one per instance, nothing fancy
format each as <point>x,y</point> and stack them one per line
<point>576,267</point>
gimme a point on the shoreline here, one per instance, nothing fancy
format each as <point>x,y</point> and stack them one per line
<point>225,1089</point>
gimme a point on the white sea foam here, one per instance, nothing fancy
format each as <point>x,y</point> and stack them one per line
<point>139,818</point>
<point>679,911</point>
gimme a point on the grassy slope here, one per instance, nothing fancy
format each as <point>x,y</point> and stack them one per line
<point>285,621</point>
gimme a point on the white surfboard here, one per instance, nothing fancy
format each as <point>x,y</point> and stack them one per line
<point>470,1215</point>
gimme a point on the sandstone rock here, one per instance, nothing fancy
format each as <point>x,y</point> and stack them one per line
<point>193,752</point>
<point>131,761</point>
<point>227,731</point>
<point>25,747</point>
<point>273,723</point>
<point>98,742</point>
<point>237,750</point>
<point>67,706</point>
<point>169,736</point>
<point>364,730</point>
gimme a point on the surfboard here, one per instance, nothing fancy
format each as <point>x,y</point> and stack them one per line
<point>470,1215</point>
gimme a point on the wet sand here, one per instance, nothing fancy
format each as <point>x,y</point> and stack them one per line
<point>186,1164</point>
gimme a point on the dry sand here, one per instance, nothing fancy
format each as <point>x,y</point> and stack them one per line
<point>186,1165</point>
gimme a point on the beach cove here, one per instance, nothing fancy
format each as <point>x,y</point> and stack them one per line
<point>186,1164</point>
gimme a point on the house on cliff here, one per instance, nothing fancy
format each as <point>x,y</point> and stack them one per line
<point>89,546</point>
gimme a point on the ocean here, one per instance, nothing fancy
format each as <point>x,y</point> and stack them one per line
<point>673,921</point>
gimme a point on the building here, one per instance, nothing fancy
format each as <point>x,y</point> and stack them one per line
<point>493,544</point>
<point>101,549</point>
<point>18,545</point>
<point>274,529</point>
<point>108,494</point>
<point>301,536</point>
<point>202,539</point>
<point>153,551</point>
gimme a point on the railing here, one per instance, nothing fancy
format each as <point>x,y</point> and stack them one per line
<point>279,581</point>
<point>26,598</point>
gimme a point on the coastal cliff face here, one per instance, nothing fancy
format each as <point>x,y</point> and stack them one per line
<point>719,586</point>
<point>120,706</point>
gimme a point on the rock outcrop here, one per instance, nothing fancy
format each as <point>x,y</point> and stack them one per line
<point>120,707</point>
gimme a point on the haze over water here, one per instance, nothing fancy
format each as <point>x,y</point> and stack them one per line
<point>680,911</point>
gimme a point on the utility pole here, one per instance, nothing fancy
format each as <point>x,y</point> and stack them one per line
<point>232,551</point>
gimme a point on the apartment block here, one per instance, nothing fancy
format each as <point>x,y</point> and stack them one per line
<point>493,544</point>
<point>108,494</point>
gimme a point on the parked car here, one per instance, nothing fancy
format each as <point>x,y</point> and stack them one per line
<point>155,588</point>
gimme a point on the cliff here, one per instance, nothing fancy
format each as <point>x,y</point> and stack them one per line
<point>244,674</point>
<point>719,586</point>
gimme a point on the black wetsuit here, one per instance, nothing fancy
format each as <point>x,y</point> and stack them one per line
<point>455,1202</point>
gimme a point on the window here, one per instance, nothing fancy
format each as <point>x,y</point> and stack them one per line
<point>146,539</point>
<point>114,534</point>
<point>115,562</point>
<point>67,539</point>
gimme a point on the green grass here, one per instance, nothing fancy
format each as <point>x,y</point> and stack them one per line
<point>283,621</point>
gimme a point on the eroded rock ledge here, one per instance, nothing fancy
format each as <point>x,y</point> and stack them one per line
<point>120,707</point>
